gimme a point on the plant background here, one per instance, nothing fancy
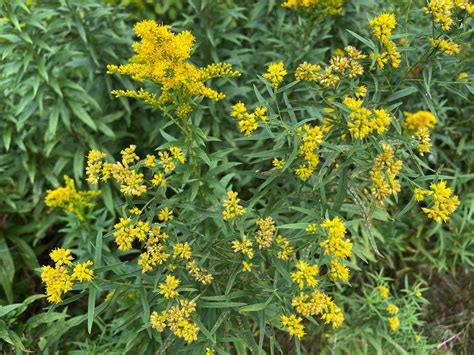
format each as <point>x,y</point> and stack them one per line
<point>56,106</point>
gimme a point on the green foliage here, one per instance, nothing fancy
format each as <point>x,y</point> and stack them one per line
<point>56,103</point>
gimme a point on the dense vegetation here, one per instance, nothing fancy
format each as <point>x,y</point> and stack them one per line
<point>220,177</point>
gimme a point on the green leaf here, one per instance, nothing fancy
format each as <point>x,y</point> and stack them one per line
<point>7,138</point>
<point>7,268</point>
<point>402,93</point>
<point>82,115</point>
<point>367,42</point>
<point>91,307</point>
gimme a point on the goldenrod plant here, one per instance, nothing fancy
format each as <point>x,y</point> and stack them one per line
<point>296,180</point>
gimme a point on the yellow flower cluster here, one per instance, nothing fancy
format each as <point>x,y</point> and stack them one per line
<point>131,181</point>
<point>265,232</point>
<point>312,228</point>
<point>165,215</point>
<point>126,232</point>
<point>293,324</point>
<point>162,57</point>
<point>447,47</point>
<point>70,199</point>
<point>263,237</point>
<point>384,174</point>
<point>60,278</point>
<point>232,208</point>
<point>245,247</point>
<point>340,66</point>
<point>154,250</point>
<point>332,7</point>
<point>443,202</point>
<point>248,122</point>
<point>275,73</point>
<point>319,304</point>
<point>168,289</point>
<point>182,251</point>
<point>311,140</point>
<point>306,274</point>
<point>364,121</point>
<point>339,247</point>
<point>442,11</point>
<point>392,309</point>
<point>419,124</point>
<point>200,274</point>
<point>177,319</point>
<point>278,163</point>
<point>383,291</point>
<point>394,323</point>
<point>382,27</point>
<point>287,252</point>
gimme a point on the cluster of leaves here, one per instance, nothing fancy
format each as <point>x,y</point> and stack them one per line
<point>56,105</point>
<point>240,311</point>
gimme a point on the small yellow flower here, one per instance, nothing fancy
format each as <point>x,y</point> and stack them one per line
<point>275,72</point>
<point>159,180</point>
<point>246,267</point>
<point>61,256</point>
<point>463,76</point>
<point>82,272</point>
<point>418,294</point>
<point>168,289</point>
<point>392,309</point>
<point>447,47</point>
<point>278,163</point>
<point>394,323</point>
<point>293,324</point>
<point>135,210</point>
<point>312,227</point>
<point>305,275</point>
<point>245,246</point>
<point>150,161</point>
<point>177,154</point>
<point>182,251</point>
<point>232,208</point>
<point>165,215</point>
<point>383,291</point>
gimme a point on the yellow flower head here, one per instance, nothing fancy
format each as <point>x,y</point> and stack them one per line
<point>246,267</point>
<point>447,47</point>
<point>392,309</point>
<point>383,25</point>
<point>61,256</point>
<point>307,72</point>
<point>394,323</point>
<point>168,289</point>
<point>182,251</point>
<point>82,272</point>
<point>312,228</point>
<point>420,119</point>
<point>57,281</point>
<point>383,291</point>
<point>278,163</point>
<point>159,180</point>
<point>265,232</point>
<point>293,324</point>
<point>305,275</point>
<point>165,215</point>
<point>245,246</point>
<point>70,199</point>
<point>275,72</point>
<point>162,56</point>
<point>232,208</point>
